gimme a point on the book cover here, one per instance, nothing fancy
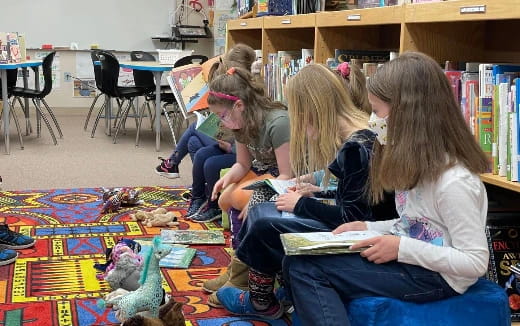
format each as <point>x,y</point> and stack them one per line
<point>504,252</point>
<point>323,243</point>
<point>454,77</point>
<point>182,76</point>
<point>209,125</point>
<point>516,156</point>
<point>14,48</point>
<point>180,256</point>
<point>279,186</point>
<point>4,48</point>
<point>195,94</point>
<point>193,236</point>
<point>307,57</point>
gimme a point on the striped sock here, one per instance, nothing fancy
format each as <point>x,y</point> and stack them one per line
<point>261,288</point>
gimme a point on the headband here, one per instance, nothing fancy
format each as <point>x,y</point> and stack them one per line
<point>224,96</point>
<point>344,69</point>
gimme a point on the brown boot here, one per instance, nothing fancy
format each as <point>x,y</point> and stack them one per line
<point>238,278</point>
<point>213,285</point>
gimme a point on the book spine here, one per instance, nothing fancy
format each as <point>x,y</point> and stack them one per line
<point>485,120</point>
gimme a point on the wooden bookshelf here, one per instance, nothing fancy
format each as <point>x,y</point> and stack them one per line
<point>456,30</point>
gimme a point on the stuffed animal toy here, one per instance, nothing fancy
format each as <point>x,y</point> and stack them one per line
<point>157,217</point>
<point>169,315</point>
<point>149,295</point>
<point>114,198</point>
<point>115,294</point>
<point>125,269</point>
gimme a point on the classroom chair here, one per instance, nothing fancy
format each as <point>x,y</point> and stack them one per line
<point>38,96</point>
<point>483,304</point>
<point>12,76</point>
<point>97,77</point>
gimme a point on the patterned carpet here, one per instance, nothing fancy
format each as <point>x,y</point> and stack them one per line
<point>54,283</point>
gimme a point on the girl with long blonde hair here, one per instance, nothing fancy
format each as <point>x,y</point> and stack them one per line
<point>328,132</point>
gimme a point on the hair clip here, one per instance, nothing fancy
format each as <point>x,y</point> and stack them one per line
<point>344,69</point>
<point>231,71</point>
<point>224,96</point>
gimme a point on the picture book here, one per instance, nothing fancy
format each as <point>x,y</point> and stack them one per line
<point>208,125</point>
<point>279,186</point>
<point>323,243</point>
<point>193,236</point>
<point>180,256</point>
<point>4,48</point>
<point>503,242</point>
<point>189,87</point>
<point>14,48</point>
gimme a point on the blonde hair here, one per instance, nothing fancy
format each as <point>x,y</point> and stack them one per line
<point>240,83</point>
<point>317,98</point>
<point>357,86</point>
<point>427,133</point>
<point>239,56</point>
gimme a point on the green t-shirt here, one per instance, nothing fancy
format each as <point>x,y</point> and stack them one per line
<point>275,132</point>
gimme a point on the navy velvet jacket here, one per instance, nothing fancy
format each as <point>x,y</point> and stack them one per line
<point>351,167</point>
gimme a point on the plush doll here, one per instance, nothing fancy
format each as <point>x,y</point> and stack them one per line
<point>114,198</point>
<point>125,269</point>
<point>169,315</point>
<point>157,217</point>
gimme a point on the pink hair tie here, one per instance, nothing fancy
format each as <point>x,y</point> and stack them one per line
<point>224,96</point>
<point>344,69</point>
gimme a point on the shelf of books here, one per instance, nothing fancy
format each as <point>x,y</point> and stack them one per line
<point>500,181</point>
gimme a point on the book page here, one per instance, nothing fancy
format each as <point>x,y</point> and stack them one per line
<point>348,236</point>
<point>280,186</point>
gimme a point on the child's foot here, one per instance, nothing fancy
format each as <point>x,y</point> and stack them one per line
<point>14,240</point>
<point>196,205</point>
<point>208,215</point>
<point>238,302</point>
<point>167,169</point>
<point>7,256</point>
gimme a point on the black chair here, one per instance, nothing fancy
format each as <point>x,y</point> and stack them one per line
<point>12,77</point>
<point>191,59</point>
<point>109,78</point>
<point>97,77</point>
<point>38,96</point>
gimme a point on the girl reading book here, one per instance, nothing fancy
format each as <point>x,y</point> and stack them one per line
<point>328,132</point>
<point>437,247</point>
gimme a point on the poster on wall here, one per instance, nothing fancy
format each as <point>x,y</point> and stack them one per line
<point>84,66</point>
<point>84,87</point>
<point>219,29</point>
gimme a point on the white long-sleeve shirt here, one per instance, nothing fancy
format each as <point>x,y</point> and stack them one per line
<point>442,227</point>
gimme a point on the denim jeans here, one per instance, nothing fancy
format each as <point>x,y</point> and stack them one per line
<point>207,163</point>
<point>321,286</point>
<point>191,141</point>
<point>260,245</point>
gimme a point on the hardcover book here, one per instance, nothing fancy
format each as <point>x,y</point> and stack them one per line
<point>180,256</point>
<point>189,87</point>
<point>209,125</point>
<point>323,243</point>
<point>192,236</point>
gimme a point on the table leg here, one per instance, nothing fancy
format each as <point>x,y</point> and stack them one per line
<point>157,75</point>
<point>3,75</point>
<point>28,128</point>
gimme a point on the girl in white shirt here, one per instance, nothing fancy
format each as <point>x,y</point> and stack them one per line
<point>437,247</point>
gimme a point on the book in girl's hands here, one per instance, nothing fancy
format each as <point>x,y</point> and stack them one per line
<point>208,124</point>
<point>279,186</point>
<point>189,87</point>
<point>192,236</point>
<point>323,243</point>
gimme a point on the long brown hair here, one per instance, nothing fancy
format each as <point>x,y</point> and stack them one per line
<point>427,133</point>
<point>317,97</point>
<point>239,56</point>
<point>240,83</point>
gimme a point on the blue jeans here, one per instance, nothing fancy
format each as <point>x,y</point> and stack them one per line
<point>191,141</point>
<point>321,286</point>
<point>260,245</point>
<point>207,163</point>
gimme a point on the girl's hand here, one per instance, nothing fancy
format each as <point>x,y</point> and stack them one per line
<point>382,249</point>
<point>287,202</point>
<point>351,226</point>
<point>307,189</point>
<point>225,146</point>
<point>222,183</point>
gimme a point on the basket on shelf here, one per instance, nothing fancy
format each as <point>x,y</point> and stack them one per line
<point>169,57</point>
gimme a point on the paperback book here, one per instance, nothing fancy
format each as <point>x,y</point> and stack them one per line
<point>323,243</point>
<point>180,256</point>
<point>279,186</point>
<point>209,125</point>
<point>192,236</point>
<point>189,87</point>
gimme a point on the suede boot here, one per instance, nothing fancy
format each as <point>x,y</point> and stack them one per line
<point>238,278</point>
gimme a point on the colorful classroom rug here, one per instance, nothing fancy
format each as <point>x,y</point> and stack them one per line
<point>54,283</point>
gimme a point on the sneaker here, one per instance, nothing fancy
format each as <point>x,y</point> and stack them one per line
<point>14,240</point>
<point>208,215</point>
<point>238,302</point>
<point>196,205</point>
<point>167,169</point>
<point>7,256</point>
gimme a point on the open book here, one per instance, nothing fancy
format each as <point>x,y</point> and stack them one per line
<point>189,87</point>
<point>180,256</point>
<point>323,243</point>
<point>192,236</point>
<point>279,186</point>
<point>208,125</point>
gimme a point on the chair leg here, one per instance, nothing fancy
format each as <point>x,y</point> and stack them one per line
<point>39,110</point>
<point>124,114</point>
<point>53,117</point>
<point>170,125</point>
<point>136,115</point>
<point>119,108</point>
<point>150,114</point>
<point>98,117</point>
<point>28,126</point>
<point>90,111</point>
<point>15,118</point>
